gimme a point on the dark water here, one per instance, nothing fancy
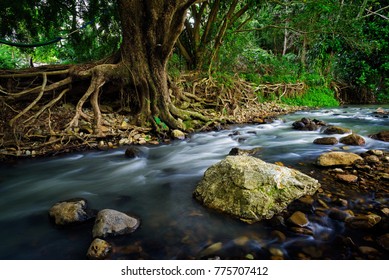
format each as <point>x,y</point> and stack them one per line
<point>158,189</point>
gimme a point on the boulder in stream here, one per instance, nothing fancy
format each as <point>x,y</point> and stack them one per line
<point>70,212</point>
<point>326,141</point>
<point>251,189</point>
<point>112,223</point>
<point>353,140</point>
<point>333,129</point>
<point>306,124</point>
<point>382,136</point>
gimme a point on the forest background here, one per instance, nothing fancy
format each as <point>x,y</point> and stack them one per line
<point>333,47</point>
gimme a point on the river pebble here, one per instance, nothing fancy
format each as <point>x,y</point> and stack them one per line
<point>383,241</point>
<point>299,219</point>
<point>99,249</point>
<point>347,178</point>
<point>337,214</point>
<point>363,221</point>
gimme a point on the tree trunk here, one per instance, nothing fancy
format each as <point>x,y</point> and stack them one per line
<point>150,29</point>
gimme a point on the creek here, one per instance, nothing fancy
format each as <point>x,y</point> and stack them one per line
<point>158,188</point>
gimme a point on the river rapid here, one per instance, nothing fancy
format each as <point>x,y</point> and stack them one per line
<point>158,188</point>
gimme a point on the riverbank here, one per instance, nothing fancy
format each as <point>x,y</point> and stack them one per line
<point>47,136</point>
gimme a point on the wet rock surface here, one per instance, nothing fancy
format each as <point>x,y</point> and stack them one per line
<point>326,141</point>
<point>353,140</point>
<point>70,212</point>
<point>337,159</point>
<point>306,124</point>
<point>382,136</point>
<point>113,223</point>
<point>251,189</point>
<point>99,249</point>
<point>333,129</point>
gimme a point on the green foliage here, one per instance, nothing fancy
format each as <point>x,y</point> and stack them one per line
<point>314,97</point>
<point>10,58</point>
<point>35,21</point>
<point>160,123</point>
<point>175,65</point>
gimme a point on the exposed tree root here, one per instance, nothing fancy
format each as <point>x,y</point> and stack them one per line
<point>282,90</point>
<point>37,119</point>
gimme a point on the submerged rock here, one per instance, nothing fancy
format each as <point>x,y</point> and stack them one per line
<point>337,159</point>
<point>251,189</point>
<point>70,212</point>
<point>112,223</point>
<point>133,152</point>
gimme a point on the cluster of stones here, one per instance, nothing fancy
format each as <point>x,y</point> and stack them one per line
<point>352,139</point>
<point>252,190</point>
<point>368,171</point>
<point>108,223</point>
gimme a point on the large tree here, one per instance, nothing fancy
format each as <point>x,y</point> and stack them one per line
<point>149,31</point>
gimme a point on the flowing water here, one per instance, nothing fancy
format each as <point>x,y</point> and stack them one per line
<point>158,188</point>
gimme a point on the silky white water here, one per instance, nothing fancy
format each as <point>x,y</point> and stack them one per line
<point>157,188</point>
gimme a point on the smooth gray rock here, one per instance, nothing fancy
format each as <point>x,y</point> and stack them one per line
<point>251,189</point>
<point>111,223</point>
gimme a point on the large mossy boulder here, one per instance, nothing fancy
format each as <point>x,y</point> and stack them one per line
<point>251,189</point>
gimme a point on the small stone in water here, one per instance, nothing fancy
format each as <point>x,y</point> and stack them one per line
<point>313,252</point>
<point>337,214</point>
<point>347,178</point>
<point>278,235</point>
<point>385,211</point>
<point>99,249</point>
<point>241,241</point>
<point>211,250</point>
<point>299,219</point>
<point>276,252</point>
<point>366,250</point>
<point>300,230</point>
<point>383,241</point>
<point>363,221</point>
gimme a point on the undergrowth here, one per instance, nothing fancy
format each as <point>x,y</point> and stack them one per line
<point>314,97</point>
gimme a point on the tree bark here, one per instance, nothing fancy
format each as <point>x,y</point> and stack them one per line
<point>150,29</point>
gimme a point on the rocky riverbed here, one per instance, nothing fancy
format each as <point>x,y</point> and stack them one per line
<point>150,195</point>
